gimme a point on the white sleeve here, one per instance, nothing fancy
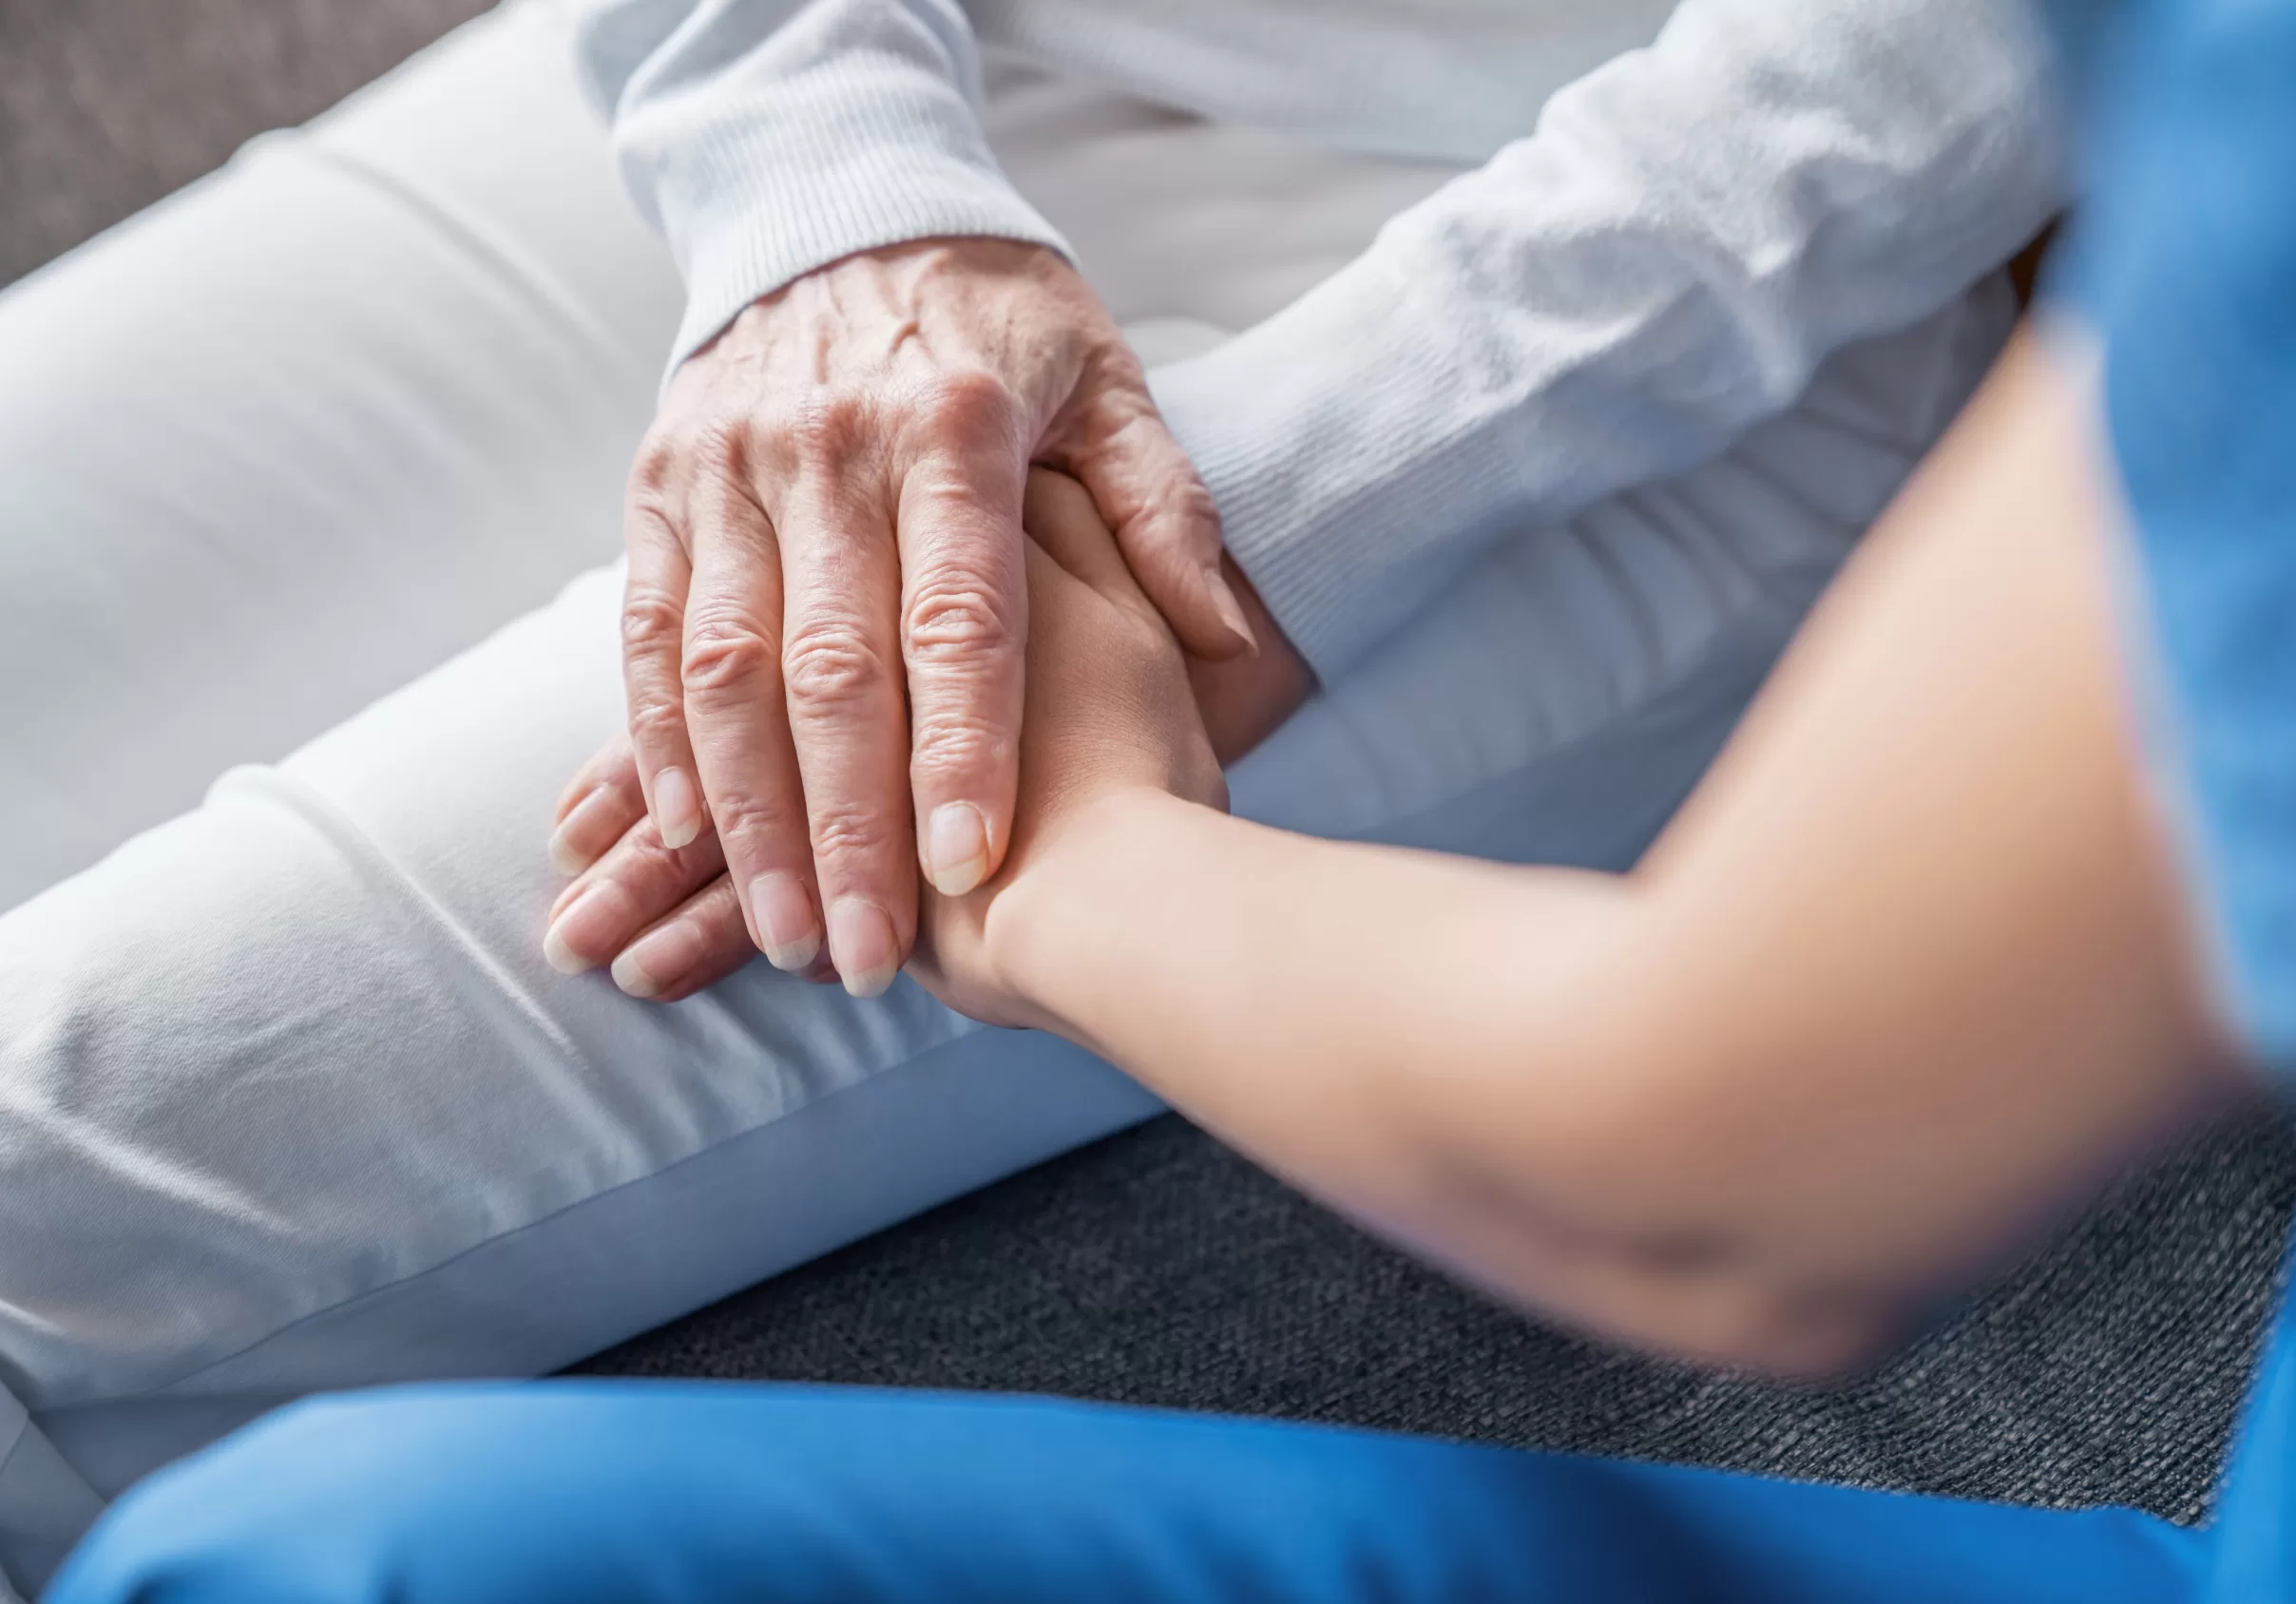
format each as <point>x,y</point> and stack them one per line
<point>767,138</point>
<point>1691,230</point>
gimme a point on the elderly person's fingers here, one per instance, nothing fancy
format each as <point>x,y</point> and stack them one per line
<point>629,886</point>
<point>1115,444</point>
<point>964,627</point>
<point>841,663</point>
<point>678,905</point>
<point>695,945</point>
<point>653,644</point>
<point>862,434</point>
<point>599,806</point>
<point>736,719</point>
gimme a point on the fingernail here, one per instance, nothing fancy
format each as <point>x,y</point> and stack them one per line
<point>1231,611</point>
<point>956,848</point>
<point>784,917</point>
<point>861,941</point>
<point>584,833</point>
<point>660,960</point>
<point>589,924</point>
<point>677,808</point>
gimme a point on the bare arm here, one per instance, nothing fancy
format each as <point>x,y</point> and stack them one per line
<point>1903,982</point>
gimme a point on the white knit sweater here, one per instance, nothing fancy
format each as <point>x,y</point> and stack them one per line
<point>1652,258</point>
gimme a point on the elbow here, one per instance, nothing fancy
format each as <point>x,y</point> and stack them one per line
<point>1638,1223</point>
<point>1648,1180</point>
<point>1761,1329</point>
<point>1700,1302</point>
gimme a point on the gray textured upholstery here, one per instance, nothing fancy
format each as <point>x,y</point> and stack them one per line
<point>1157,1267</point>
<point>108,104</point>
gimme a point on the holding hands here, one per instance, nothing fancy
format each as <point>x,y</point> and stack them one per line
<point>1110,716</point>
<point>828,636</point>
<point>1110,710</point>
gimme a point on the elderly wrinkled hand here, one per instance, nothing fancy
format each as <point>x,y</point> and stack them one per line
<point>825,624</point>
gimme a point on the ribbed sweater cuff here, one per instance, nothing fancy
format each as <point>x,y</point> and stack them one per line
<point>1320,435</point>
<point>822,170</point>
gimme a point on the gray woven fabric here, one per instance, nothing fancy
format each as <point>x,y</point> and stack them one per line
<point>1155,1267</point>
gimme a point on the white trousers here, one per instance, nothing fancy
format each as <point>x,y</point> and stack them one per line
<point>288,1098</point>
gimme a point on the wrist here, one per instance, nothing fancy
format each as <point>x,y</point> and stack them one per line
<point>1036,928</point>
<point>778,218</point>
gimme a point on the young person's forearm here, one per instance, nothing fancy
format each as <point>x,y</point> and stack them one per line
<point>1350,1016</point>
<point>1321,991</point>
<point>1449,1051</point>
<point>1903,981</point>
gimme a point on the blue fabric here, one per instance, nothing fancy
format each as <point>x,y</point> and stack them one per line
<point>637,1493</point>
<point>2185,262</point>
<point>678,1493</point>
<point>2252,1539</point>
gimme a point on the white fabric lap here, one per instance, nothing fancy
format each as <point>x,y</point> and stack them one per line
<point>293,436</point>
<point>287,1099</point>
<point>304,431</point>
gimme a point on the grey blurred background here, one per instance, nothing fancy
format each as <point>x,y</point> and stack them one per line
<point>1157,1267</point>
<point>108,104</point>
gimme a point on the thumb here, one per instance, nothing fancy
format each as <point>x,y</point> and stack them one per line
<point>1166,526</point>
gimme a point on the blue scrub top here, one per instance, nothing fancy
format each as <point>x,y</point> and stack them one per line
<point>2184,262</point>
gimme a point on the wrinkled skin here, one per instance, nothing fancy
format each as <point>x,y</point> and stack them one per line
<point>825,624</point>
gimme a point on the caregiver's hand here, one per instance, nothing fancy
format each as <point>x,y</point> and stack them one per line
<point>1110,717</point>
<point>826,614</point>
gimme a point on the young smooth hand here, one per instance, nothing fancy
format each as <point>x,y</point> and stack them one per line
<point>1110,714</point>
